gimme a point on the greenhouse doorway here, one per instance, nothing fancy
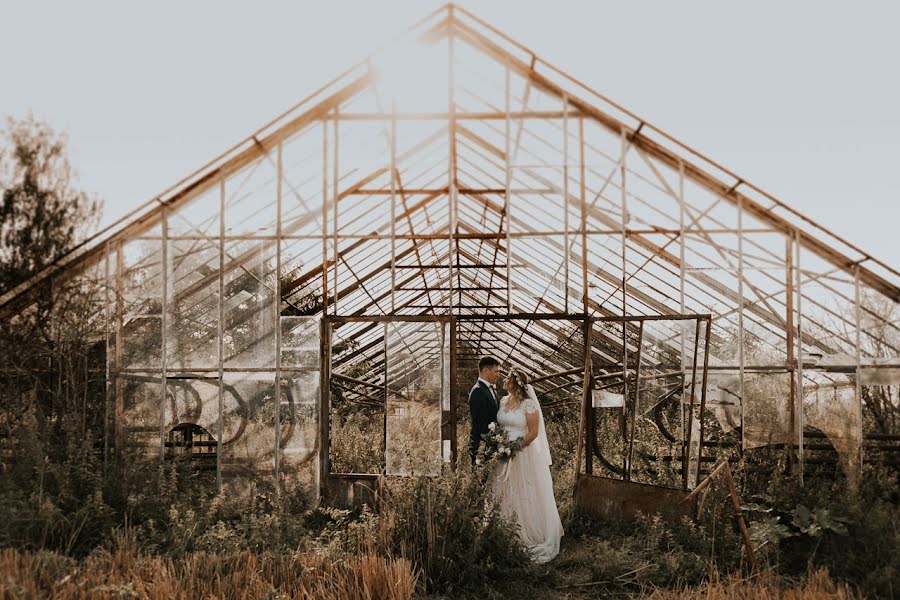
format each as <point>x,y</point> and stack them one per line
<point>387,405</point>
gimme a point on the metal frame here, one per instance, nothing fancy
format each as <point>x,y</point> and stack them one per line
<point>477,212</point>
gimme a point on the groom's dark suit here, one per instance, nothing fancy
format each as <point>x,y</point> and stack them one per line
<point>483,408</point>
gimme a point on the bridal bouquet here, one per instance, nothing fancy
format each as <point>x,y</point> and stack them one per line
<point>497,445</point>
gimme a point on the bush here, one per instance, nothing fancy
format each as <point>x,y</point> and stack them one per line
<point>451,529</point>
<point>53,495</point>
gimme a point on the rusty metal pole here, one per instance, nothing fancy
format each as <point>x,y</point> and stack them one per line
<point>634,405</point>
<point>686,452</point>
<point>585,398</point>
<point>703,393</point>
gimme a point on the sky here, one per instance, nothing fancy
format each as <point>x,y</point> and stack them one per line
<point>801,98</point>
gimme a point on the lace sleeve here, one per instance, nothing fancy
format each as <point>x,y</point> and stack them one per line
<point>530,406</point>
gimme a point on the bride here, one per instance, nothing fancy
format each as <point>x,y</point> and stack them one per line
<point>522,484</point>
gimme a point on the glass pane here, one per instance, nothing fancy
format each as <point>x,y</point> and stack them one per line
<point>141,414</point>
<point>299,417</point>
<point>831,407</point>
<point>141,298</point>
<point>193,321</point>
<point>192,401</point>
<point>300,342</point>
<point>248,435</point>
<point>250,307</point>
<point>767,416</point>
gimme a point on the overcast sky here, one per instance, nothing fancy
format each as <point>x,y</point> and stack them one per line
<point>800,98</point>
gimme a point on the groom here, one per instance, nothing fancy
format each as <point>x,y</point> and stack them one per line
<point>483,402</point>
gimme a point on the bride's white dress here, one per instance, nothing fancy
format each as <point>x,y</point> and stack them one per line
<point>523,484</point>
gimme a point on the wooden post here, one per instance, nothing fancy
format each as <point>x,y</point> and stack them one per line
<point>736,504</point>
<point>724,468</point>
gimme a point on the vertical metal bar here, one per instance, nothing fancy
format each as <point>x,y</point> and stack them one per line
<point>107,318</point>
<point>336,196</point>
<point>590,440</point>
<point>278,327</point>
<point>740,274</point>
<point>221,346</point>
<point>565,201</point>
<point>583,197</point>
<point>166,276</point>
<point>681,274</point>
<point>386,397</point>
<point>590,435</point>
<point>119,409</point>
<point>634,404</point>
<point>789,336</point>
<point>798,279</point>
<point>445,412</point>
<point>451,184</point>
<point>506,196</point>
<point>624,209</point>
<point>394,205</point>
<point>324,405</point>
<point>858,318</point>
<point>686,453</point>
<point>453,399</point>
<point>585,397</point>
<point>703,393</point>
<point>325,216</point>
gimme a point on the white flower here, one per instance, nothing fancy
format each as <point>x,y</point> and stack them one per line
<point>492,426</point>
<point>502,449</point>
<point>477,461</point>
<point>507,451</point>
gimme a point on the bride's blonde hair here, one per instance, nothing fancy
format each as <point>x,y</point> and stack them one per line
<point>519,382</point>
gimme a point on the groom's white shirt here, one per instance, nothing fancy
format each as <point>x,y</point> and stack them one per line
<point>490,387</point>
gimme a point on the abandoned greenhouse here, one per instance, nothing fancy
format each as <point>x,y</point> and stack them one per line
<point>454,195</point>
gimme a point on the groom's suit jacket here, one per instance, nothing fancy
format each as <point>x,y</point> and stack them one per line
<point>483,408</point>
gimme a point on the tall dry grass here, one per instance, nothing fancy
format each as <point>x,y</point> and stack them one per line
<point>125,573</point>
<point>817,586</point>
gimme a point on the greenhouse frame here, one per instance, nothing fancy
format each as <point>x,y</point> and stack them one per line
<point>454,195</point>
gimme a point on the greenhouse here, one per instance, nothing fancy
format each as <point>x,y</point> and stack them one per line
<point>308,308</point>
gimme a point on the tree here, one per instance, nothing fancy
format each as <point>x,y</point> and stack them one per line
<point>42,213</point>
<point>49,354</point>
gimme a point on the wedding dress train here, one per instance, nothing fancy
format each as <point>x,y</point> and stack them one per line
<point>523,484</point>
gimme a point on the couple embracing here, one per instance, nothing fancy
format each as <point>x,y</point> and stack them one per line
<point>521,483</point>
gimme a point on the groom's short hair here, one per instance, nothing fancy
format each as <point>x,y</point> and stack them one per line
<point>487,362</point>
